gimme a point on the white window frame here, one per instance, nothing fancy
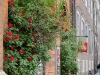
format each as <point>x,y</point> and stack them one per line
<point>78,23</point>
<point>89,65</point>
<point>92,65</point>
<point>89,43</point>
<point>86,3</point>
<point>86,65</point>
<point>91,9</point>
<point>83,67</point>
<point>82,26</point>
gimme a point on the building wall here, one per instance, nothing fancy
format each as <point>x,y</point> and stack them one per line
<point>86,12</point>
<point>3,23</point>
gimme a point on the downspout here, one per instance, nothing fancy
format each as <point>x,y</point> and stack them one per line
<point>95,45</point>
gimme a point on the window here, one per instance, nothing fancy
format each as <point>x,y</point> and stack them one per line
<point>89,42</point>
<point>92,43</point>
<point>89,65</point>
<point>78,23</point>
<point>83,66</point>
<point>86,65</point>
<point>82,27</point>
<point>92,65</point>
<point>91,9</point>
<point>40,70</point>
<point>86,3</point>
<point>99,50</point>
<point>78,61</point>
<point>95,15</point>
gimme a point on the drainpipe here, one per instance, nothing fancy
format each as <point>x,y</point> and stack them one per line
<point>95,45</point>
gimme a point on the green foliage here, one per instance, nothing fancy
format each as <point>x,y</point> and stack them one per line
<point>31,32</point>
<point>69,52</point>
<point>32,26</point>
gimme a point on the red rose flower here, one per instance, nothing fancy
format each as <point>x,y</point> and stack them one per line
<point>33,43</point>
<point>58,23</point>
<point>10,25</point>
<point>66,30</point>
<point>62,28</point>
<point>33,35</point>
<point>11,6</point>
<point>16,61</point>
<point>13,37</point>
<point>31,26</point>
<point>63,15</point>
<point>17,37</point>
<point>41,36</point>
<point>6,58</point>
<point>12,58</point>
<point>30,59</point>
<point>9,2</point>
<point>22,14</point>
<point>20,51</point>
<point>12,0</point>
<point>9,33</point>
<point>7,39</point>
<point>12,48</point>
<point>30,20</point>
<point>34,53</point>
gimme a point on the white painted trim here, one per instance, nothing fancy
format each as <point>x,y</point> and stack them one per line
<point>2,72</point>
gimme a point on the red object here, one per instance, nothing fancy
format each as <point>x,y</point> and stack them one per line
<point>33,43</point>
<point>12,0</point>
<point>13,37</point>
<point>58,23</point>
<point>31,26</point>
<point>86,47</point>
<point>33,35</point>
<point>7,39</point>
<point>9,33</point>
<point>9,2</point>
<point>63,15</point>
<point>6,58</point>
<point>20,51</point>
<point>10,25</point>
<point>12,58</point>
<point>62,28</point>
<point>66,30</point>
<point>16,61</point>
<point>11,6</point>
<point>30,20</point>
<point>17,37</point>
<point>22,14</point>
<point>12,48</point>
<point>30,59</point>
<point>34,53</point>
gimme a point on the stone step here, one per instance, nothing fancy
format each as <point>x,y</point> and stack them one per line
<point>2,72</point>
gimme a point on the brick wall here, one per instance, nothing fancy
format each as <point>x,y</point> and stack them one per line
<point>3,24</point>
<point>51,68</point>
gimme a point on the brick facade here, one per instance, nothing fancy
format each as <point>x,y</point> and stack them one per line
<point>3,22</point>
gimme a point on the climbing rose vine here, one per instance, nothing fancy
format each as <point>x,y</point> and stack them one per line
<point>32,26</point>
